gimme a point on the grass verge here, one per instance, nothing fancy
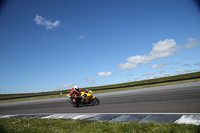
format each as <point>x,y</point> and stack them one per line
<point>37,125</point>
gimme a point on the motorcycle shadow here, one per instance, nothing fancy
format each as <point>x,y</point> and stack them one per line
<point>83,105</point>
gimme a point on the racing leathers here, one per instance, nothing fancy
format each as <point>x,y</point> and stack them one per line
<point>74,94</point>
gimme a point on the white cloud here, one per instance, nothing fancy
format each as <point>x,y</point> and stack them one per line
<point>167,73</point>
<point>161,49</point>
<point>151,77</point>
<point>42,21</point>
<point>149,74</point>
<point>145,77</point>
<point>189,58</point>
<point>159,66</point>
<point>104,74</point>
<point>90,80</point>
<point>192,42</point>
<point>127,65</point>
<point>139,59</point>
<point>163,74</point>
<point>155,66</point>
<point>81,37</point>
<point>160,76</point>
<point>194,70</point>
<point>181,71</point>
<point>164,49</point>
<point>66,85</point>
<point>137,79</point>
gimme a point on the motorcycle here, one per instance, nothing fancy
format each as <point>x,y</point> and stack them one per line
<point>84,97</point>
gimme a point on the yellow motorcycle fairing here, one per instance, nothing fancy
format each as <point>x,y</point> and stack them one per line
<point>88,94</point>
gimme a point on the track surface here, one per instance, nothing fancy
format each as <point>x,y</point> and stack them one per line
<point>174,100</point>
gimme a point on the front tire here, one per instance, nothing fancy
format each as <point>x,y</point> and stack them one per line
<point>95,101</point>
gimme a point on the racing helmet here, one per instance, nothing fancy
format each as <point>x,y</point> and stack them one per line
<point>76,88</point>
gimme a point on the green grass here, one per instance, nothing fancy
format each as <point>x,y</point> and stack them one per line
<point>185,78</point>
<point>37,125</point>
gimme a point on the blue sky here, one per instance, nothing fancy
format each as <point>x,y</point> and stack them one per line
<point>54,45</point>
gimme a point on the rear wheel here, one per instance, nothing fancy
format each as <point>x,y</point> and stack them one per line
<point>95,101</point>
<point>77,102</point>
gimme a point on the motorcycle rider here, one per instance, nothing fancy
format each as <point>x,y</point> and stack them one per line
<point>74,92</point>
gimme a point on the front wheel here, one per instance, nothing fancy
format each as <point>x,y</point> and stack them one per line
<point>95,101</point>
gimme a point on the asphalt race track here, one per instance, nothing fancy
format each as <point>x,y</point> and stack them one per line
<point>183,98</point>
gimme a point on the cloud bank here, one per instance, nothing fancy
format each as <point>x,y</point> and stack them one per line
<point>159,66</point>
<point>48,24</point>
<point>192,42</point>
<point>65,86</point>
<point>161,49</point>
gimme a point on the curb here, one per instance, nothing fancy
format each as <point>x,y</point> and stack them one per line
<point>190,118</point>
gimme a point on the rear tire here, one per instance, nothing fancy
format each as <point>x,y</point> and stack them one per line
<point>77,102</point>
<point>95,101</point>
